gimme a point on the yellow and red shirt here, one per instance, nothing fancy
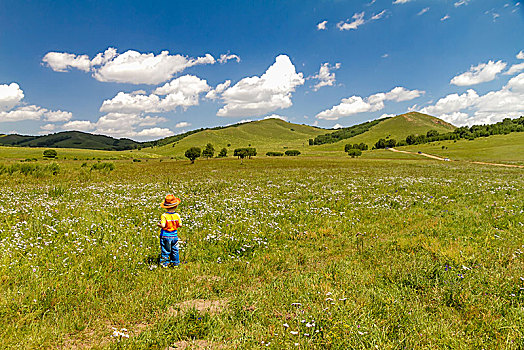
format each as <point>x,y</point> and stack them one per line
<point>170,223</point>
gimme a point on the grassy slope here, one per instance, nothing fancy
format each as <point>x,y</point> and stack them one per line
<point>498,148</point>
<point>397,128</point>
<point>28,152</point>
<point>264,135</point>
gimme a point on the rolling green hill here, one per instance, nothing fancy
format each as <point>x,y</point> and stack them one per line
<point>265,135</point>
<point>496,148</point>
<point>397,128</point>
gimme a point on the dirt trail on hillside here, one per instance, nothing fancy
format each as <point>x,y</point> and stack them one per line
<point>440,158</point>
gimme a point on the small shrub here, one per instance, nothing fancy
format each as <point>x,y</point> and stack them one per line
<point>292,152</point>
<point>30,169</point>
<point>208,151</point>
<point>354,152</point>
<point>50,153</point>
<point>103,166</point>
<point>274,154</point>
<point>193,153</point>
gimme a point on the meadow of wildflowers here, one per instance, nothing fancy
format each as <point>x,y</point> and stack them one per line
<point>276,253</point>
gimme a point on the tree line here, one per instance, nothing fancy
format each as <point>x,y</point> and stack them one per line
<point>504,127</point>
<point>344,133</point>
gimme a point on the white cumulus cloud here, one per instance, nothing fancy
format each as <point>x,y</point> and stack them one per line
<point>348,106</point>
<point>356,104</point>
<point>276,116</point>
<point>226,57</point>
<point>62,62</point>
<point>520,55</point>
<point>255,95</point>
<point>481,73</point>
<point>48,127</point>
<point>153,133</point>
<point>452,103</point>
<point>10,96</point>
<point>146,68</point>
<point>322,25</point>
<point>471,108</point>
<point>396,2</point>
<point>122,125</point>
<point>446,17</point>
<point>80,125</point>
<point>180,92</point>
<point>58,116</point>
<point>213,94</point>
<point>182,125</point>
<point>515,69</point>
<point>356,21</point>
<point>31,112</point>
<point>129,67</point>
<point>325,76</point>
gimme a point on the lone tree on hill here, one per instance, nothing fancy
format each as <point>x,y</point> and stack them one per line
<point>292,152</point>
<point>50,153</point>
<point>241,153</point>
<point>251,152</point>
<point>193,153</point>
<point>223,153</point>
<point>209,151</point>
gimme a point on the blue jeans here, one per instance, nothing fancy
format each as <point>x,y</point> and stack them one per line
<point>169,251</point>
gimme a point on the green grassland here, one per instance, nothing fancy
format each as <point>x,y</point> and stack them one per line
<point>264,135</point>
<point>397,128</point>
<point>22,153</point>
<point>305,252</point>
<point>497,149</point>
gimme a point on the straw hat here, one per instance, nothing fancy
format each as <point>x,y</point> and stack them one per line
<point>170,202</point>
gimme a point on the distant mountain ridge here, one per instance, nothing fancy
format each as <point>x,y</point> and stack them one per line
<point>71,139</point>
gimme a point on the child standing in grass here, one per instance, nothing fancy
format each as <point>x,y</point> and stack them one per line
<point>169,223</point>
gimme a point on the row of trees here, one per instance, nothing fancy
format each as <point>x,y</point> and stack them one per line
<point>469,133</point>
<point>344,133</point>
<point>361,146</point>
<point>195,152</point>
<point>290,152</point>
<point>383,143</point>
<point>209,151</point>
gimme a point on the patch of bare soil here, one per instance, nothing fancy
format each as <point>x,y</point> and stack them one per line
<point>209,306</point>
<point>90,338</point>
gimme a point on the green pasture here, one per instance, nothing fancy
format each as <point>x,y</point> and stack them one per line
<point>497,149</point>
<point>287,253</point>
<point>22,153</point>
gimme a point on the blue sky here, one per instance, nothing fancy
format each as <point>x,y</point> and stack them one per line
<point>146,70</point>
